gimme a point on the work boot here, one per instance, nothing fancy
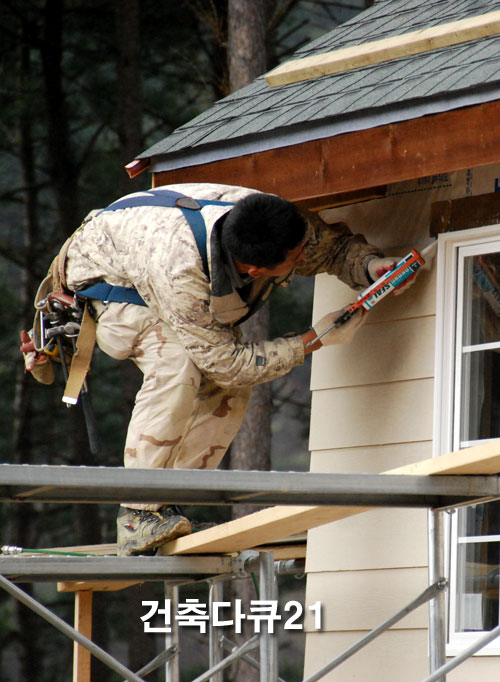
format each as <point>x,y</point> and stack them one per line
<point>140,530</point>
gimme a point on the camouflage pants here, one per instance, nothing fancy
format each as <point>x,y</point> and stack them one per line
<point>181,420</point>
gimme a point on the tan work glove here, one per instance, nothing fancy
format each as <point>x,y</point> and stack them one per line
<point>342,334</point>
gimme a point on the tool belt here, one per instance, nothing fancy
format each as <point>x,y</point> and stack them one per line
<point>63,332</point>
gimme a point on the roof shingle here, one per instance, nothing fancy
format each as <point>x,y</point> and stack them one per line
<point>257,112</point>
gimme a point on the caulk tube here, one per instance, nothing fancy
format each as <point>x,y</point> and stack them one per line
<point>391,280</point>
<point>385,284</point>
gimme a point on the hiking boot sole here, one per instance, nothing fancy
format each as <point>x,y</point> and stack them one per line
<point>131,547</point>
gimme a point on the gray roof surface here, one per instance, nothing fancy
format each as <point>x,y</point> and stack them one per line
<point>259,117</point>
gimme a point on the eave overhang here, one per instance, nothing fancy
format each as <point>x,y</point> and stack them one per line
<point>358,159</point>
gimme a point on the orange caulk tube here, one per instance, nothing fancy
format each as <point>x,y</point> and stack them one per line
<point>379,289</point>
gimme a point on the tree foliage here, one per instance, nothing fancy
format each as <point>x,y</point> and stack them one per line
<point>86,85</point>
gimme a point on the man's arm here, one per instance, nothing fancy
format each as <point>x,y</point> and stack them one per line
<point>334,249</point>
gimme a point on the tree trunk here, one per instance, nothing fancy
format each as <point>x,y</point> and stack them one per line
<point>62,161</point>
<point>64,179</point>
<point>251,449</point>
<point>21,517</point>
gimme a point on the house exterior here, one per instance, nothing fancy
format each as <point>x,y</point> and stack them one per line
<point>406,151</point>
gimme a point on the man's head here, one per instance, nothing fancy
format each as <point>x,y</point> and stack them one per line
<point>263,230</point>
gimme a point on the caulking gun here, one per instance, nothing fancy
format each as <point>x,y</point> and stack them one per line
<point>385,284</point>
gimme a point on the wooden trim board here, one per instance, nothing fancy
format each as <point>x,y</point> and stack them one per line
<point>375,52</point>
<point>96,585</point>
<point>348,162</point>
<point>268,524</point>
<point>83,625</point>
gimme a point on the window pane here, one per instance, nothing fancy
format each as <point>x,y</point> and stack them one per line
<point>481,299</point>
<point>480,391</point>
<point>477,586</point>
<point>480,519</point>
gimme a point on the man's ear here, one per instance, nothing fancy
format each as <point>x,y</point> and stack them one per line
<point>254,271</point>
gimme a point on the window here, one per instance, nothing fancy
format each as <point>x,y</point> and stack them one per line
<point>468,380</point>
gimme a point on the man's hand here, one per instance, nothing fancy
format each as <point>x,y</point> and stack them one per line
<point>342,334</point>
<point>379,266</point>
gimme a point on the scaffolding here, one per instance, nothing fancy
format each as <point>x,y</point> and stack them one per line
<point>31,483</point>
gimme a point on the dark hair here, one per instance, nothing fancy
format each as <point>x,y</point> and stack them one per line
<point>261,229</point>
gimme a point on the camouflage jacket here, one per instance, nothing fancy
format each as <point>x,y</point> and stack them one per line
<point>153,249</point>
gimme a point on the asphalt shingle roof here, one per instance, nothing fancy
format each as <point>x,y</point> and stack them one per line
<point>258,116</point>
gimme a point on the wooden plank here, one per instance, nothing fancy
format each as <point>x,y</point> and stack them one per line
<point>481,459</point>
<point>268,524</point>
<point>283,548</point>
<point>95,585</point>
<point>83,624</point>
<point>375,52</point>
<point>384,541</point>
<point>245,533</point>
<point>465,213</point>
<point>284,552</point>
<point>343,199</point>
<point>94,550</point>
<point>439,143</point>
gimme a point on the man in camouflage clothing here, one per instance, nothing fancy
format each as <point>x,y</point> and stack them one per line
<point>197,372</point>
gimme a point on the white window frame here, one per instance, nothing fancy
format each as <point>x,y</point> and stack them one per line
<point>447,370</point>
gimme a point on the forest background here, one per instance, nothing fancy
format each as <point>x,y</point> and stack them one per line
<point>86,85</point>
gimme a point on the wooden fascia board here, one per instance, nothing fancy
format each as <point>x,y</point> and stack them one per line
<point>465,213</point>
<point>268,524</point>
<point>395,47</point>
<point>438,143</point>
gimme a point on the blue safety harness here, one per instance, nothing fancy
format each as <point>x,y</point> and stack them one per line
<point>191,208</point>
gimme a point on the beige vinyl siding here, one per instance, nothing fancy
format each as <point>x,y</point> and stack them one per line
<point>478,669</point>
<point>401,656</point>
<point>379,538</point>
<point>331,294</point>
<point>361,600</point>
<point>376,361</point>
<point>372,410</point>
<point>352,416</point>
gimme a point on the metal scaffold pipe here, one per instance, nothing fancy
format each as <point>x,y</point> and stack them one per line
<point>428,594</point>
<point>67,630</point>
<point>470,651</point>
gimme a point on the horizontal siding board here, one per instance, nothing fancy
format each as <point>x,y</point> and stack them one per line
<point>369,459</point>
<point>480,668</point>
<point>396,656</point>
<point>380,352</point>
<point>361,600</point>
<point>381,538</point>
<point>396,412</point>
<point>419,300</point>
